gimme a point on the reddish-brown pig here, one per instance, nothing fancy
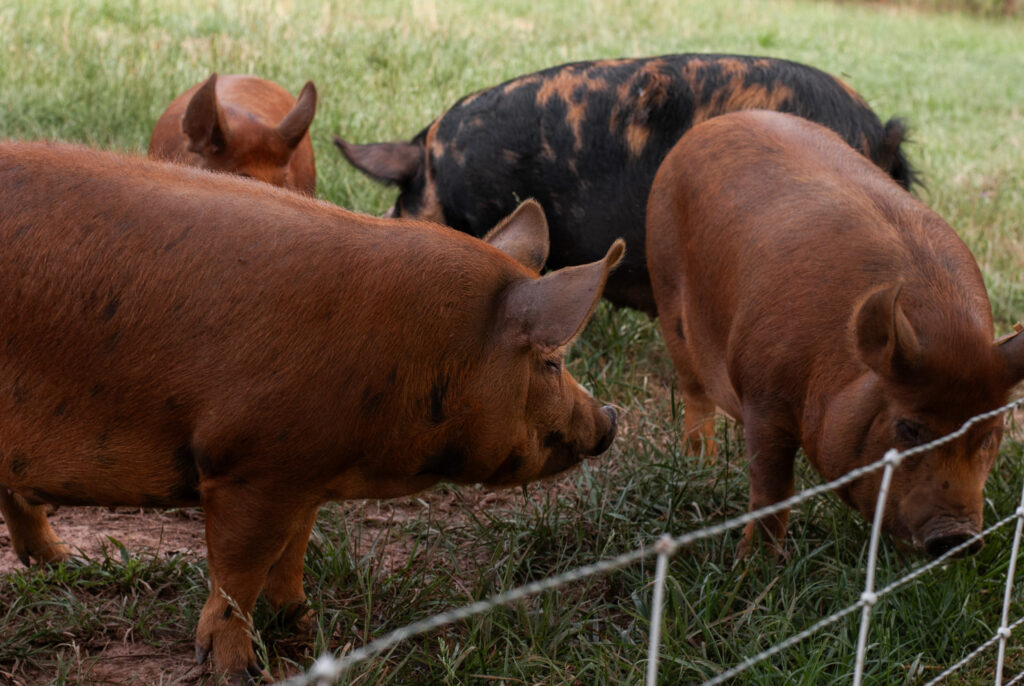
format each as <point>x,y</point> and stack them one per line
<point>241,125</point>
<point>174,337</point>
<point>807,295</point>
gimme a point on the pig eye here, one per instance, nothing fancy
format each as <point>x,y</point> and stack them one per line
<point>911,433</point>
<point>553,365</point>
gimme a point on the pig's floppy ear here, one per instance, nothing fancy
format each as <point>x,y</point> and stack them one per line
<point>389,163</point>
<point>1011,349</point>
<point>523,235</point>
<point>203,122</point>
<point>295,124</point>
<point>886,340</point>
<point>553,309</point>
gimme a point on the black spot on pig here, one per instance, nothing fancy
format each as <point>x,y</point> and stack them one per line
<point>507,470</point>
<point>450,462</point>
<point>19,463</point>
<point>187,465</point>
<point>110,309</point>
<point>437,396</point>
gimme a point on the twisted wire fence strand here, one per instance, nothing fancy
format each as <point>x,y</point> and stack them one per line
<point>328,669</point>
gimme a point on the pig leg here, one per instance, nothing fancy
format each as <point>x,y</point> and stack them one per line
<point>31,534</point>
<point>247,530</point>
<point>772,451</point>
<point>283,587</point>
<point>699,423</point>
<point>698,409</point>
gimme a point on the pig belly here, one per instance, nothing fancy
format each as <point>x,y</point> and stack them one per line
<point>76,464</point>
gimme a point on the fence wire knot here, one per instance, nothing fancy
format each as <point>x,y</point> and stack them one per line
<point>323,670</point>
<point>1020,512</point>
<point>666,545</point>
<point>868,598</point>
<point>1004,632</point>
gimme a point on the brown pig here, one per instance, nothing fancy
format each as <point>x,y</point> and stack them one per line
<point>174,337</point>
<point>241,125</point>
<point>807,295</point>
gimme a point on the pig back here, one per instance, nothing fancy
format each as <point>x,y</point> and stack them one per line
<point>140,297</point>
<point>774,230</point>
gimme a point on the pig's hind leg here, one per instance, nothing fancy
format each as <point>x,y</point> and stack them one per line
<point>283,588</point>
<point>698,408</point>
<point>699,423</point>
<point>31,534</point>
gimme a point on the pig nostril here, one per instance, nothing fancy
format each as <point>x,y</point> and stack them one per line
<point>941,544</point>
<point>606,440</point>
<point>612,414</point>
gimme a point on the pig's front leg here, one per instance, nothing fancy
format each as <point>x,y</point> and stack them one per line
<point>249,528</point>
<point>772,449</point>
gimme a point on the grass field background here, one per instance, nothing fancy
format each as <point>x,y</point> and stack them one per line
<point>100,73</point>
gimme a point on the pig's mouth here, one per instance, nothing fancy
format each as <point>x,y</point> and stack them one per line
<point>562,456</point>
<point>943,534</point>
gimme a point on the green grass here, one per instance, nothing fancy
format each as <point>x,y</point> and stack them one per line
<point>102,72</point>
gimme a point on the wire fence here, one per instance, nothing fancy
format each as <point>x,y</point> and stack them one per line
<point>329,669</point>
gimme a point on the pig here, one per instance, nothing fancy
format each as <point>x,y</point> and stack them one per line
<point>174,337</point>
<point>241,125</point>
<point>806,294</point>
<point>586,138</point>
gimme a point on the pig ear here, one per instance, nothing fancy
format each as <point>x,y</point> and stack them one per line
<point>554,308</point>
<point>389,163</point>
<point>295,124</point>
<point>203,122</point>
<point>886,340</point>
<point>523,235</point>
<point>1011,348</point>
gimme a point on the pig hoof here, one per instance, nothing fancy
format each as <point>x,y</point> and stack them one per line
<point>755,541</point>
<point>302,620</point>
<point>201,654</point>
<point>45,553</point>
<point>298,617</point>
<point>252,676</point>
<point>72,561</point>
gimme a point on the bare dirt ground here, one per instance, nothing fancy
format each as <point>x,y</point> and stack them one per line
<point>87,530</point>
<point>158,532</point>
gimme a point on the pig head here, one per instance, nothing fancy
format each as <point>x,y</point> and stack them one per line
<point>241,125</point>
<point>814,300</point>
<point>585,139</point>
<point>174,337</point>
<point>928,372</point>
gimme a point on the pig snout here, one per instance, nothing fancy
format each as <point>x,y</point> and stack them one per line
<point>939,524</point>
<point>939,541</point>
<point>605,441</point>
